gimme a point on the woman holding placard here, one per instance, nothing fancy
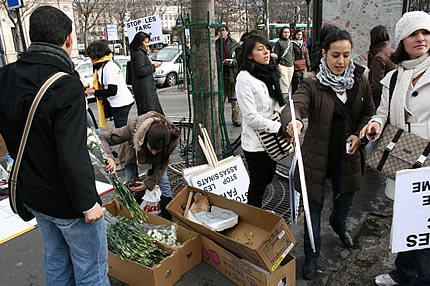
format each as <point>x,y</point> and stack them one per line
<point>259,95</point>
<point>337,102</point>
<point>408,109</point>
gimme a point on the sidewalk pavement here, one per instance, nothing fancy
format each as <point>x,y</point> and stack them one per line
<point>369,223</point>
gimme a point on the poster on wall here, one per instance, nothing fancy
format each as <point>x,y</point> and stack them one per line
<point>359,17</point>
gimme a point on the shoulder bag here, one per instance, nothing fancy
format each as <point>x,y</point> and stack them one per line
<point>276,145</point>
<point>15,203</point>
<point>398,149</point>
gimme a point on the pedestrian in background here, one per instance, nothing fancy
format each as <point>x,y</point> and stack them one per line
<point>259,95</point>
<point>109,84</point>
<point>337,91</point>
<point>409,109</point>
<point>148,139</point>
<point>317,49</point>
<point>301,59</point>
<point>284,54</point>
<point>226,62</point>
<point>56,179</point>
<point>378,61</point>
<point>142,69</point>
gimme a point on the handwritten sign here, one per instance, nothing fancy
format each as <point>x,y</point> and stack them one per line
<point>229,179</point>
<point>150,25</point>
<point>411,218</point>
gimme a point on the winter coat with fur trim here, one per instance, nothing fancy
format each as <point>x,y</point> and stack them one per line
<point>133,151</point>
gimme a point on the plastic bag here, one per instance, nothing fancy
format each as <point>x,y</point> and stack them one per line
<point>151,201</point>
<point>164,233</point>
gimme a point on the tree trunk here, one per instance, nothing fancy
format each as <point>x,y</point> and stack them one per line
<point>205,110</point>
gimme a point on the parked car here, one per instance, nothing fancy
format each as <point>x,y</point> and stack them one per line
<point>171,69</point>
<point>85,69</point>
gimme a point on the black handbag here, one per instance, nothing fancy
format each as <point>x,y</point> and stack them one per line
<point>14,199</point>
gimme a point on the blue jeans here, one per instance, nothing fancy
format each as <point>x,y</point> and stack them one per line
<point>75,252</point>
<point>164,183</point>
<point>120,115</point>
<point>342,204</point>
<point>412,268</point>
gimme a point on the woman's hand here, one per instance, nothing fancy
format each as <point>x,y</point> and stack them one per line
<point>110,167</point>
<point>274,55</point>
<point>290,129</point>
<point>141,187</point>
<point>371,129</point>
<point>354,142</point>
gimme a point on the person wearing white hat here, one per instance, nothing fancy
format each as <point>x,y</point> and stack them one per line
<point>409,110</point>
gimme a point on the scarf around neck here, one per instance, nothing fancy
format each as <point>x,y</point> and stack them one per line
<point>299,43</point>
<point>407,71</point>
<point>270,75</point>
<point>52,50</point>
<point>338,83</point>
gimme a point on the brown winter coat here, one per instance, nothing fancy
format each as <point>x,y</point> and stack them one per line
<point>133,136</point>
<point>312,100</point>
<point>379,64</point>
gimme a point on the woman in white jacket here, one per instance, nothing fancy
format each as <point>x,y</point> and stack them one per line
<point>259,95</point>
<point>409,110</point>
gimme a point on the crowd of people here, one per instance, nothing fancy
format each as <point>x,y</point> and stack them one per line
<point>343,106</point>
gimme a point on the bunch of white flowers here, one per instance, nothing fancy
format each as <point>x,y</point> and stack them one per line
<point>163,234</point>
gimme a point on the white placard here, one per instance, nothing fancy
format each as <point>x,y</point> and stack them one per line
<point>150,25</point>
<point>411,218</point>
<point>112,32</point>
<point>229,179</point>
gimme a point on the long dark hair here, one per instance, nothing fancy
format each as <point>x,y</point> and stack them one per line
<point>378,34</point>
<point>281,31</point>
<point>246,63</point>
<point>138,39</point>
<point>158,138</point>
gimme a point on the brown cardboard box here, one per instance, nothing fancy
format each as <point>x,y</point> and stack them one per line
<point>242,272</point>
<point>170,270</point>
<point>261,237</point>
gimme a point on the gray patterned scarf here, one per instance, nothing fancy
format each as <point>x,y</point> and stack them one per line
<point>339,83</point>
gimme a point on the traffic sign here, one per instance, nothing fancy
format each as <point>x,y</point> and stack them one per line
<point>12,4</point>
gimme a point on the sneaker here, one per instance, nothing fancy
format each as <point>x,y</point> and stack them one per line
<point>385,280</point>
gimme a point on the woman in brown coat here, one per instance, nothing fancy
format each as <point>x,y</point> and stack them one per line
<point>148,139</point>
<point>338,81</point>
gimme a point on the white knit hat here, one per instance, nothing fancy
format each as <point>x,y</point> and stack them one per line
<point>411,22</point>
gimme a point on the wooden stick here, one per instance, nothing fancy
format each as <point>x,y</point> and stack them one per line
<point>207,139</point>
<point>205,151</point>
<point>187,207</point>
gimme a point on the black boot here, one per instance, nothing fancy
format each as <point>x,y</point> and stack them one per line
<point>164,201</point>
<point>309,270</point>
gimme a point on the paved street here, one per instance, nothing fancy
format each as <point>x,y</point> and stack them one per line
<point>21,260</point>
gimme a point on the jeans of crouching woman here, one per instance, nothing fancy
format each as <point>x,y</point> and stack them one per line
<point>412,268</point>
<point>342,204</point>
<point>75,251</point>
<point>120,115</point>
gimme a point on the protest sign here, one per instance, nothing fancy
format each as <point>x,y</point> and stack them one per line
<point>150,25</point>
<point>229,179</point>
<point>411,218</point>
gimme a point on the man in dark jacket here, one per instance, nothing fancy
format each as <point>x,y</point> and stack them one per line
<point>225,61</point>
<point>55,180</point>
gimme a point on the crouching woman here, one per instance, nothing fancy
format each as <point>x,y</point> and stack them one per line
<point>148,139</point>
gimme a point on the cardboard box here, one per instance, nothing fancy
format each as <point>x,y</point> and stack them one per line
<point>261,237</point>
<point>170,270</point>
<point>3,149</point>
<point>242,272</point>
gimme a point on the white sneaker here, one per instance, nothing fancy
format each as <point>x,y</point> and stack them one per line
<point>385,280</point>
